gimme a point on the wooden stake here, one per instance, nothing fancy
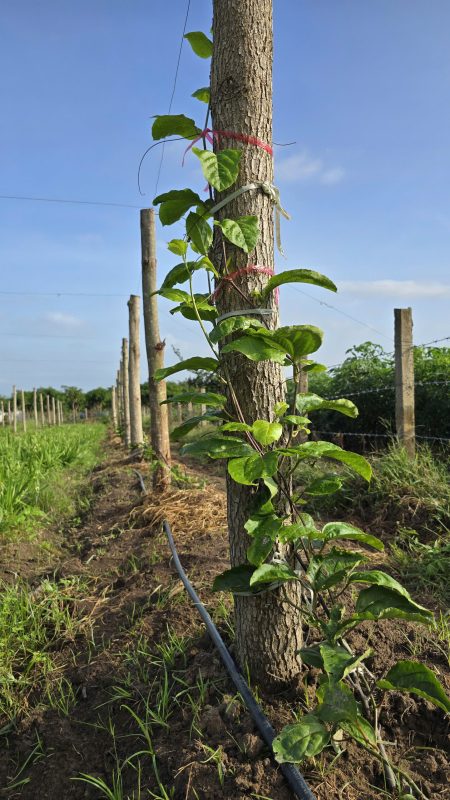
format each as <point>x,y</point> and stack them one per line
<point>35,409</point>
<point>49,412</point>
<point>14,409</point>
<point>159,418</point>
<point>134,373</point>
<point>3,413</point>
<point>126,394</point>
<point>114,407</point>
<point>404,379</point>
<point>24,411</point>
<point>41,409</point>
<point>9,412</point>
<point>53,410</point>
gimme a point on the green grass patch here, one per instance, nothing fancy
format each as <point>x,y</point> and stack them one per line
<point>41,474</point>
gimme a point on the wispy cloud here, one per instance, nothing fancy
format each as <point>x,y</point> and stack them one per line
<point>304,167</point>
<point>64,321</point>
<point>389,288</point>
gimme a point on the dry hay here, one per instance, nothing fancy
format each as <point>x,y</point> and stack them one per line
<point>188,510</point>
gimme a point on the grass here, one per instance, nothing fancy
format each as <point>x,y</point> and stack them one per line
<point>34,626</point>
<point>35,484</point>
<point>424,566</point>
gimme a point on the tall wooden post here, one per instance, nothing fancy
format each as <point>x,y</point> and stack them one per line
<point>35,408</point>
<point>24,411</point>
<point>41,409</point>
<point>268,627</point>
<point>14,392</point>
<point>404,379</point>
<point>114,407</point>
<point>134,373</point>
<point>53,410</point>
<point>48,409</point>
<point>9,412</point>
<point>126,394</point>
<point>159,417</point>
<point>3,412</point>
<point>58,412</point>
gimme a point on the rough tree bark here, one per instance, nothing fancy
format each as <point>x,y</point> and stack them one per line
<point>134,373</point>
<point>126,394</point>
<point>268,629</point>
<point>159,416</point>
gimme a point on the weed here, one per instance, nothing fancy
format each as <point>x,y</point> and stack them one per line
<point>424,566</point>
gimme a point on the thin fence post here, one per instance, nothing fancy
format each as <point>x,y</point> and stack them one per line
<point>126,394</point>
<point>41,409</point>
<point>404,379</point>
<point>114,407</point>
<point>35,409</point>
<point>53,410</point>
<point>9,413</point>
<point>134,373</point>
<point>14,409</point>
<point>24,412</point>
<point>49,413</point>
<point>3,413</point>
<point>202,407</point>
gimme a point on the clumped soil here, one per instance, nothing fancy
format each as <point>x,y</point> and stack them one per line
<point>206,747</point>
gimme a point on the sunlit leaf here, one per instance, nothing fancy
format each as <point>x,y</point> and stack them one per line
<point>301,740</point>
<point>242,232</point>
<point>299,276</point>
<point>199,232</point>
<point>202,94</point>
<point>220,169</point>
<point>174,125</point>
<point>174,204</point>
<point>416,678</point>
<point>201,45</point>
<point>195,363</point>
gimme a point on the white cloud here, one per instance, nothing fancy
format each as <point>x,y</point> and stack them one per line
<point>388,288</point>
<point>304,167</point>
<point>63,320</point>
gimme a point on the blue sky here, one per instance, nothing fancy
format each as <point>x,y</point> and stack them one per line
<point>362,88</point>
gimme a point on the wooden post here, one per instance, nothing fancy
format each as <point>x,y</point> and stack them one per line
<point>9,412</point>
<point>53,410</point>
<point>14,409</point>
<point>3,413</point>
<point>134,373</point>
<point>58,411</point>
<point>41,409</point>
<point>180,413</point>
<point>35,409</point>
<point>114,407</point>
<point>24,418</point>
<point>404,379</point>
<point>49,413</point>
<point>159,417</point>
<point>126,394</point>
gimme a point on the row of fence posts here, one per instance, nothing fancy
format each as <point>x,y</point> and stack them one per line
<point>42,415</point>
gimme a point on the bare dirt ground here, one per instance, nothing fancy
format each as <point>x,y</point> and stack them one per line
<point>146,657</point>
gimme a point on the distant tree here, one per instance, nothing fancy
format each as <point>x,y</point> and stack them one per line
<point>73,397</point>
<point>99,398</point>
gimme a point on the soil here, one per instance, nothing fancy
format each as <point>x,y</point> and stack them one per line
<point>135,598</point>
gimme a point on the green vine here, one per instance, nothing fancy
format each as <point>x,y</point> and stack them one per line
<point>264,453</point>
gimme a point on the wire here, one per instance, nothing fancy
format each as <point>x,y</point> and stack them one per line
<point>59,294</point>
<point>339,311</point>
<point>65,201</point>
<point>173,93</point>
<point>379,435</point>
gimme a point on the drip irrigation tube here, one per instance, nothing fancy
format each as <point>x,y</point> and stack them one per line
<point>294,778</point>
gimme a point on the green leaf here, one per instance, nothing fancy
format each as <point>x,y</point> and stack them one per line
<point>411,676</point>
<point>298,340</point>
<point>280,408</point>
<point>357,463</point>
<point>220,169</point>
<point>300,740</point>
<point>182,430</point>
<point>361,730</point>
<point>195,363</point>
<point>379,578</point>
<point>235,580</point>
<point>231,325</point>
<point>177,246</point>
<point>248,470</point>
<point>338,704</point>
<point>338,662</point>
<point>260,548</point>
<point>256,349</point>
<point>216,446</point>
<point>181,273</point>
<point>313,402</point>
<point>294,419</point>
<point>266,432</point>
<point>236,426</point>
<point>299,276</point>
<point>343,530</point>
<point>174,204</point>
<point>177,295</point>
<point>380,602</point>
<point>272,573</point>
<point>198,398</point>
<point>199,232</point>
<point>174,125</point>
<point>311,656</point>
<point>202,308</point>
<point>326,571</point>
<point>201,45</point>
<point>323,486</point>
<point>202,94</point>
<point>242,232</point>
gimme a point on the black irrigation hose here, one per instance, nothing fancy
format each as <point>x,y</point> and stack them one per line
<point>294,778</point>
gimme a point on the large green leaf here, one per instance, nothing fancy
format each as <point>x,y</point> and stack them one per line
<point>379,578</point>
<point>300,740</point>
<point>181,273</point>
<point>338,662</point>
<point>242,232</point>
<point>199,232</point>
<point>202,94</point>
<point>362,731</point>
<point>177,246</point>
<point>343,530</point>
<point>411,676</point>
<point>298,340</point>
<point>323,486</point>
<point>380,602</point>
<point>326,571</point>
<point>220,169</point>
<point>311,656</point>
<point>174,204</point>
<point>357,463</point>
<point>272,573</point>
<point>236,580</point>
<point>177,295</point>
<point>174,125</point>
<point>195,363</point>
<point>299,276</point>
<point>201,45</point>
<point>198,398</point>
<point>216,446</point>
<point>338,703</point>
<point>202,309</point>
<point>260,547</point>
<point>313,402</point>
<point>256,348</point>
<point>231,325</point>
<point>248,470</point>
<point>266,432</point>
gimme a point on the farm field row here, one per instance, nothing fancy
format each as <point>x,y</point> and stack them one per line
<point>115,691</point>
